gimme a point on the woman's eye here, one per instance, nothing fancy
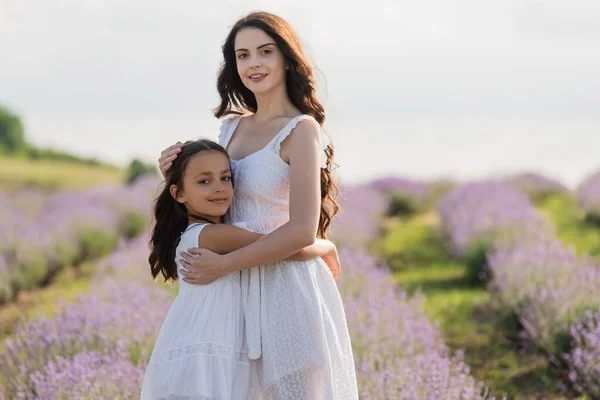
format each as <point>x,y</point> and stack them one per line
<point>204,181</point>
<point>267,51</point>
<point>241,55</point>
<point>226,178</point>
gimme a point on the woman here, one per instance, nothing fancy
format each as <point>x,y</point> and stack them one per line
<point>296,329</point>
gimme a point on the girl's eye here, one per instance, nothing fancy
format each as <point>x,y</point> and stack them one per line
<point>241,55</point>
<point>226,178</point>
<point>204,181</point>
<point>267,51</point>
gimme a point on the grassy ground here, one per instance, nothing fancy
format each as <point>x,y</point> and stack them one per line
<point>571,228</point>
<point>52,175</point>
<point>464,313</point>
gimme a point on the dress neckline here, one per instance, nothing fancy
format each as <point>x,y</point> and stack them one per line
<point>233,131</point>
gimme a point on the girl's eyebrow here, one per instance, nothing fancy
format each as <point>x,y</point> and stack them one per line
<point>208,173</point>
<point>259,47</point>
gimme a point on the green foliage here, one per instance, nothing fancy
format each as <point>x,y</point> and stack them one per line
<point>20,172</point>
<point>7,291</point>
<point>95,243</point>
<point>435,192</point>
<point>138,168</point>
<point>572,226</point>
<point>593,218</point>
<point>31,270</point>
<point>402,205</point>
<point>49,154</point>
<point>410,242</point>
<point>14,143</point>
<point>64,256</point>
<point>133,224</point>
<point>12,135</point>
<point>476,261</point>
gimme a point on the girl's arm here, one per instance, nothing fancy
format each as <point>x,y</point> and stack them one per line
<point>223,239</point>
<point>305,202</point>
<point>300,231</point>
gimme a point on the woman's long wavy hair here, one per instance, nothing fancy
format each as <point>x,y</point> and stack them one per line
<point>171,217</point>
<point>300,83</point>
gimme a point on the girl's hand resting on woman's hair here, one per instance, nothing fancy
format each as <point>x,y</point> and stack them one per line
<point>167,156</point>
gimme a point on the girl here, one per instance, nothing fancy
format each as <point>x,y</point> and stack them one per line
<point>200,353</point>
<point>296,330</point>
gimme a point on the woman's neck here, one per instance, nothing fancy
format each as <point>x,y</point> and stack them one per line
<point>274,103</point>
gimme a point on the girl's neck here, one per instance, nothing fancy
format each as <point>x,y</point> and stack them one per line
<point>212,220</point>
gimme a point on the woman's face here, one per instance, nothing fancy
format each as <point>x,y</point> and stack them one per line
<point>260,63</point>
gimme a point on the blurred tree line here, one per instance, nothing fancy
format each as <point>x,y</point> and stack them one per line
<point>13,143</point>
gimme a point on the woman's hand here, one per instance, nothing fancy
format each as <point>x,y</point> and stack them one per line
<point>167,156</point>
<point>332,259</point>
<point>203,269</point>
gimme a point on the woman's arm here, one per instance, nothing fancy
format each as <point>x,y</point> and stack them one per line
<point>303,153</point>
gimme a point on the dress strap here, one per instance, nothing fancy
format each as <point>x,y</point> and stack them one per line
<point>227,128</point>
<point>287,130</point>
<point>189,237</point>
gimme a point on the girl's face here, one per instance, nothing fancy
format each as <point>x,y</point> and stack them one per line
<point>260,63</point>
<point>207,187</point>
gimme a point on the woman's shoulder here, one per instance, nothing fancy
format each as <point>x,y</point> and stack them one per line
<point>227,120</point>
<point>225,127</point>
<point>303,123</point>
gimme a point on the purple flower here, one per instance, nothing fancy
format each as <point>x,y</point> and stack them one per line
<point>487,210</point>
<point>584,358</point>
<point>358,221</point>
<point>401,186</point>
<point>398,352</point>
<point>89,375</point>
<point>548,287</point>
<point>98,322</point>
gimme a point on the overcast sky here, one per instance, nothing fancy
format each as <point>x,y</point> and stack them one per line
<point>420,88</point>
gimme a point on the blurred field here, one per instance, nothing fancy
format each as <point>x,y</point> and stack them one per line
<point>464,314</point>
<point>463,309</point>
<point>29,305</point>
<point>16,173</point>
<point>437,303</point>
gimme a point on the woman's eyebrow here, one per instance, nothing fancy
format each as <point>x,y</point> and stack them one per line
<point>259,47</point>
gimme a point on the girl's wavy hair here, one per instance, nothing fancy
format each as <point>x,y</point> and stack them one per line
<point>171,217</point>
<point>300,84</point>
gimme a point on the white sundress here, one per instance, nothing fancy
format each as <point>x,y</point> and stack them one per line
<point>296,330</point>
<point>200,352</point>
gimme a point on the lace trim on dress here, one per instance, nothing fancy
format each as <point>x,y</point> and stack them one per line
<point>210,349</point>
<point>285,132</point>
<point>224,129</point>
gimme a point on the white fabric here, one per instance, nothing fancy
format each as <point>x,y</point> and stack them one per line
<point>296,329</point>
<point>200,352</point>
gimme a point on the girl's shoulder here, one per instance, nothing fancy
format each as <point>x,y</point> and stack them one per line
<point>192,232</point>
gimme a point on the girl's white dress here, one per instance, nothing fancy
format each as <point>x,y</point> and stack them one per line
<point>296,329</point>
<point>200,352</point>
